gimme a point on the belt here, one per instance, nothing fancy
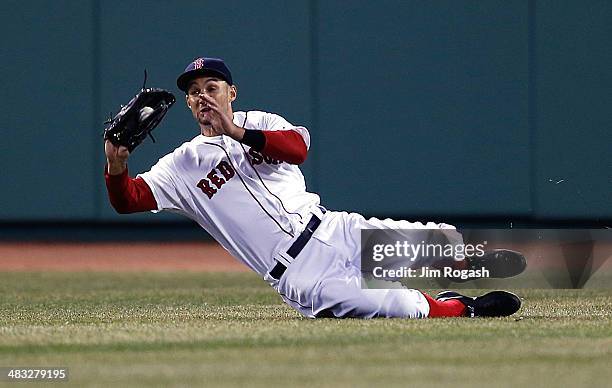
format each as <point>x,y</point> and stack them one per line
<point>297,246</point>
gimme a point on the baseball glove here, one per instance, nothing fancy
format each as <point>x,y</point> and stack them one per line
<point>135,121</point>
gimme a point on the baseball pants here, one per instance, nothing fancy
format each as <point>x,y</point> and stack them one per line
<point>324,279</point>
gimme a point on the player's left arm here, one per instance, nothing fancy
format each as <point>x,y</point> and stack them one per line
<point>286,145</point>
<point>279,139</point>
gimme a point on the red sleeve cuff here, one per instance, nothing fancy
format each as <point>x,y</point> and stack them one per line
<point>128,195</point>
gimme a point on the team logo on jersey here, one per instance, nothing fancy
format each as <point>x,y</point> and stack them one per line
<point>216,178</point>
<point>258,158</point>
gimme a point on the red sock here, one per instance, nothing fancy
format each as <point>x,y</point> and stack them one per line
<point>448,308</point>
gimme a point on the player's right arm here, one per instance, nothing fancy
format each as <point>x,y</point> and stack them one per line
<point>126,194</point>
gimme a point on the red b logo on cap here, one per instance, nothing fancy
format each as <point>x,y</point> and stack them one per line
<point>198,63</point>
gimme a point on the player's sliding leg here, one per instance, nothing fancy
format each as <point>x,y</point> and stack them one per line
<point>339,298</point>
<point>344,298</point>
<point>500,263</point>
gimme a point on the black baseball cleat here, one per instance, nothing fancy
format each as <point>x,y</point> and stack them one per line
<point>501,263</point>
<point>492,304</point>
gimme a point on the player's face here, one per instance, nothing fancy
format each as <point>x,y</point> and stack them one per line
<point>214,88</point>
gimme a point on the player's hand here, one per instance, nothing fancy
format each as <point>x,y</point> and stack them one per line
<point>221,120</point>
<point>116,157</point>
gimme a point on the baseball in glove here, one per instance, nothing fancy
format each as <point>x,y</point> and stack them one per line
<point>135,121</point>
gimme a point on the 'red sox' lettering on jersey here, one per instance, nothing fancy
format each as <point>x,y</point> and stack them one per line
<point>257,158</point>
<point>213,182</point>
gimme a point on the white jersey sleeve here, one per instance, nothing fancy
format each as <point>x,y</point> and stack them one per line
<point>160,180</point>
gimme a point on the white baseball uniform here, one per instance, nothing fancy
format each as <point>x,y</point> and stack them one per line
<point>256,207</point>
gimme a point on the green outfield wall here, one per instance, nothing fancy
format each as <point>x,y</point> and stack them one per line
<point>494,109</point>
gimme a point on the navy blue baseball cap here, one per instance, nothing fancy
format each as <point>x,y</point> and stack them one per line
<point>201,67</point>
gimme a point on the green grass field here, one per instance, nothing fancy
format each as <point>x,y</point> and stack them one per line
<point>207,329</point>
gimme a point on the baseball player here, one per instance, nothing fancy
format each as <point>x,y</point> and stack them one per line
<point>239,180</point>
